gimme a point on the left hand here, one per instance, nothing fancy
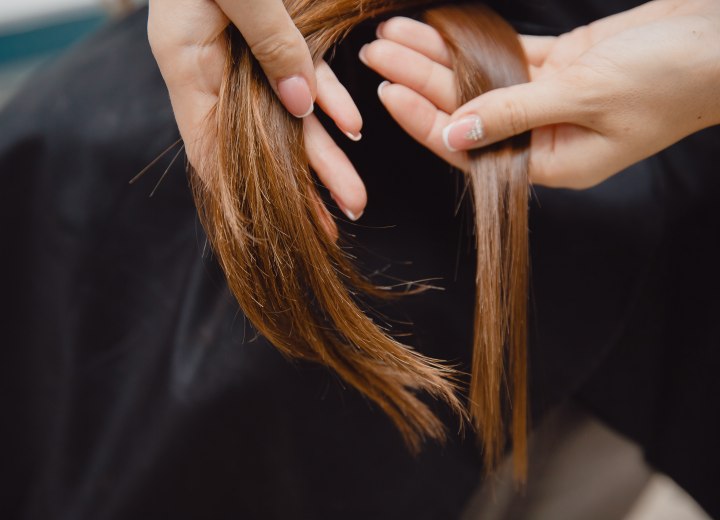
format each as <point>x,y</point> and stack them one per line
<point>186,37</point>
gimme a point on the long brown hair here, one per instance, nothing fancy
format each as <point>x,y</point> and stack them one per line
<point>258,203</point>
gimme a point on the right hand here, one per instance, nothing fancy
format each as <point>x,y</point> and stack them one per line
<point>600,98</point>
<point>185,37</point>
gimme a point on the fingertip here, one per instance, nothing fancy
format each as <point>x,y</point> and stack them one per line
<point>349,214</point>
<point>421,119</point>
<point>391,27</point>
<point>295,94</point>
<point>334,169</point>
<point>352,204</point>
<point>446,142</point>
<point>380,88</point>
<point>351,198</point>
<point>351,126</point>
<point>348,120</point>
<point>418,36</point>
<point>309,111</point>
<point>379,29</point>
<point>464,134</point>
<point>362,55</point>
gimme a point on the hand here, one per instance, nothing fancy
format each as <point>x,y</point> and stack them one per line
<point>186,40</point>
<point>601,97</point>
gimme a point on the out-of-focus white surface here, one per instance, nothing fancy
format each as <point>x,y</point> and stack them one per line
<point>580,469</point>
<point>23,13</point>
<point>662,499</point>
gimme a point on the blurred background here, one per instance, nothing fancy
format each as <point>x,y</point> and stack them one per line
<point>33,32</point>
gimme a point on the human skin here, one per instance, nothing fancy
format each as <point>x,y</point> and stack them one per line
<point>600,98</point>
<point>186,40</point>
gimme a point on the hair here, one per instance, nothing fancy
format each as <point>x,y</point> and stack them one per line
<point>257,201</point>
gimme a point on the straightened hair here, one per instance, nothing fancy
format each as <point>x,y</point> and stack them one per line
<point>257,201</point>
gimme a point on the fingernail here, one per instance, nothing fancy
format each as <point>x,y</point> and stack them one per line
<point>353,137</point>
<point>378,31</point>
<point>347,212</point>
<point>463,134</point>
<point>361,54</point>
<point>295,94</point>
<point>342,207</point>
<point>381,86</point>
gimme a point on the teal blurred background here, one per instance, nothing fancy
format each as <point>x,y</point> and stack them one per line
<point>33,31</point>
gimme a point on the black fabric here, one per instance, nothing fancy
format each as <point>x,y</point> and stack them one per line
<point>132,386</point>
<point>659,383</point>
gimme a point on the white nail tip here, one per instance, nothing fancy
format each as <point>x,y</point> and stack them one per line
<point>381,86</point>
<point>361,55</point>
<point>310,111</point>
<point>353,137</point>
<point>445,135</point>
<point>349,214</point>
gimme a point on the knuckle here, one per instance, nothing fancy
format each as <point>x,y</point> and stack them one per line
<point>581,34</point>
<point>279,49</point>
<point>591,95</point>
<point>515,115</point>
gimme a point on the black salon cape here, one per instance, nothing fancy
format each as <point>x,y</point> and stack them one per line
<point>131,386</point>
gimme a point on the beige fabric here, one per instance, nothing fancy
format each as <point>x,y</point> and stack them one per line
<point>579,469</point>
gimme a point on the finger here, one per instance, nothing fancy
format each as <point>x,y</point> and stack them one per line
<point>571,156</point>
<point>279,48</point>
<point>326,220</point>
<point>184,37</point>
<point>420,119</point>
<point>537,48</point>
<point>336,102</point>
<point>174,24</point>
<point>567,156</point>
<point>417,36</point>
<point>334,169</point>
<point>405,66</point>
<point>504,112</point>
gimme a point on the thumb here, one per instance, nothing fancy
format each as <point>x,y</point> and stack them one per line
<point>279,48</point>
<point>505,112</point>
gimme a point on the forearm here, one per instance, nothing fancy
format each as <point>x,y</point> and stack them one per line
<point>704,57</point>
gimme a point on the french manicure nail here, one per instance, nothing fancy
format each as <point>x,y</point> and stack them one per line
<point>353,137</point>
<point>295,94</point>
<point>361,54</point>
<point>381,86</point>
<point>378,31</point>
<point>347,212</point>
<point>463,134</point>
